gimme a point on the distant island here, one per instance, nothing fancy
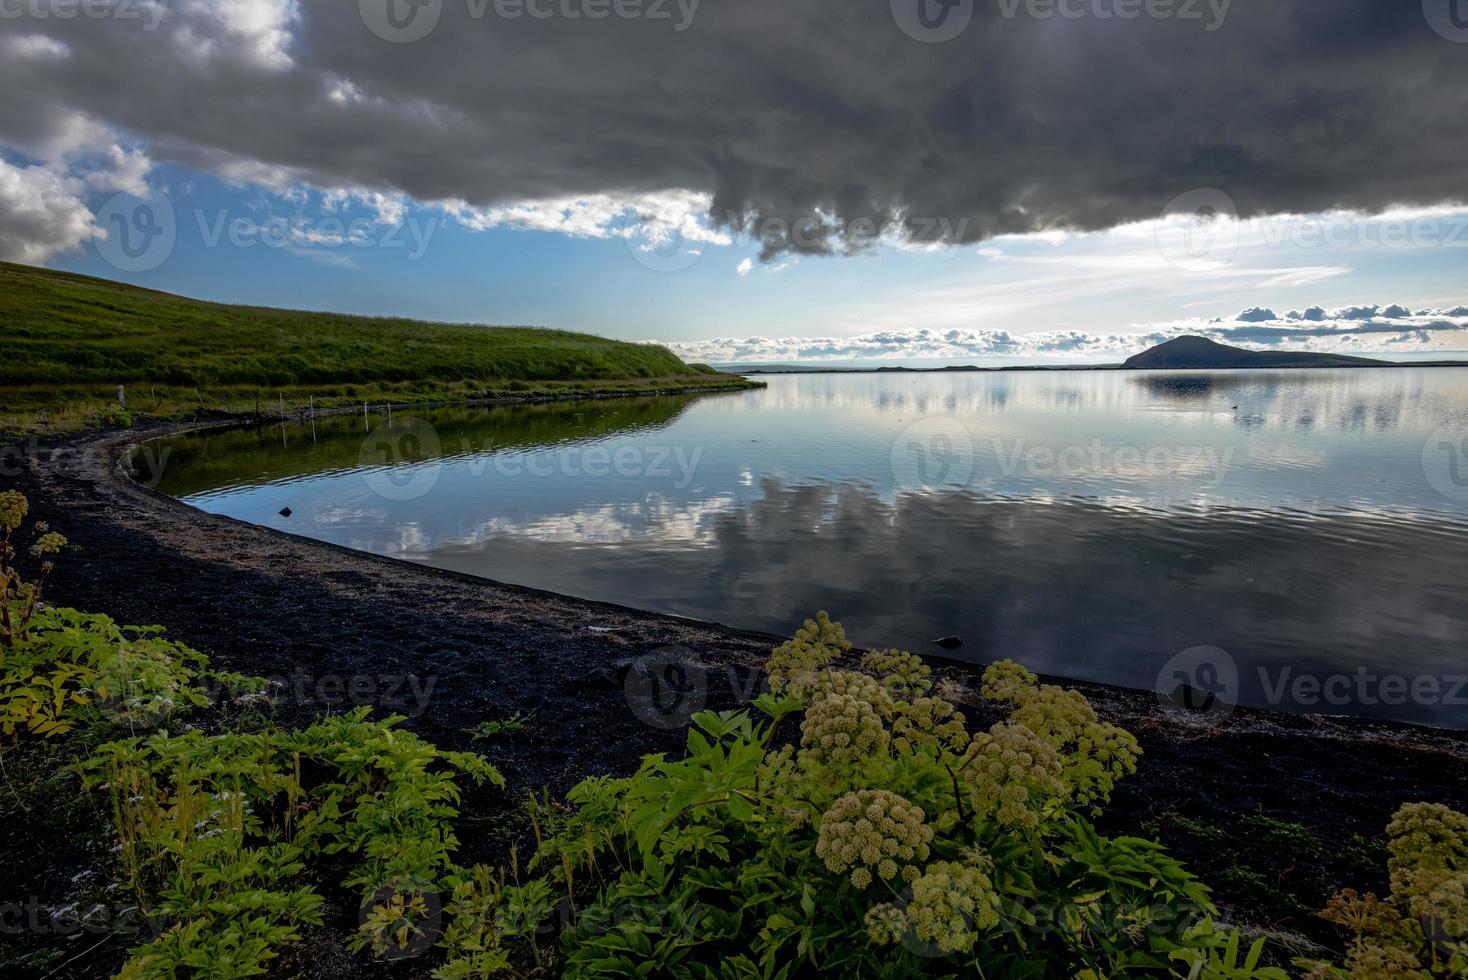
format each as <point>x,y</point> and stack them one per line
<point>1200,352</point>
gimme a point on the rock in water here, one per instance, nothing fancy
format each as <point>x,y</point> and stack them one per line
<point>285,512</point>
<point>949,642</point>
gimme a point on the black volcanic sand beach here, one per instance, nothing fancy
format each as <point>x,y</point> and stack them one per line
<point>1274,811</point>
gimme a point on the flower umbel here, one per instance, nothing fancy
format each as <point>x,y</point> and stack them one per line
<point>872,829</point>
<point>951,905</point>
<point>1010,772</point>
<point>815,646</point>
<point>841,731</point>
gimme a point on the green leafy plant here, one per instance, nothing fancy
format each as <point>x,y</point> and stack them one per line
<point>70,668</point>
<point>880,840</point>
<point>217,833</point>
<point>20,596</point>
<point>119,417</point>
<point>495,728</point>
<point>486,916</point>
<point>61,668</point>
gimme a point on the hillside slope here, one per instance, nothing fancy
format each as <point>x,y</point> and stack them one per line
<point>1200,352</point>
<point>60,328</point>
<point>69,340</point>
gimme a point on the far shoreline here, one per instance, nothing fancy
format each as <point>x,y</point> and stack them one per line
<point>1021,368</point>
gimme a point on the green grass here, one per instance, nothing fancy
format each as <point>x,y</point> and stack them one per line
<point>70,340</point>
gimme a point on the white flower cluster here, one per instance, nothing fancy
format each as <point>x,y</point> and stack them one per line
<point>931,722</point>
<point>1429,866</point>
<point>904,676</point>
<point>952,904</point>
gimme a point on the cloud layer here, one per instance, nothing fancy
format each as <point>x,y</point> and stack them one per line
<point>806,119</point>
<point>1353,328</point>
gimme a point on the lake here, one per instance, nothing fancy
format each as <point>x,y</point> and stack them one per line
<point>1296,539</point>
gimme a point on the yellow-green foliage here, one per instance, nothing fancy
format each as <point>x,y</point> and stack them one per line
<point>217,834</point>
<point>20,597</point>
<point>1421,930</point>
<point>884,841</point>
<point>70,668</point>
<point>60,668</point>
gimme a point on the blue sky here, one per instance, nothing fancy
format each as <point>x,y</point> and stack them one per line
<point>298,247</point>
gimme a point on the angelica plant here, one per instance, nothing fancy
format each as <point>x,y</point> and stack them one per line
<point>884,841</point>
<point>1421,929</point>
<point>20,596</point>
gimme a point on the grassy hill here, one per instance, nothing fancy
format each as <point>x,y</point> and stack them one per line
<point>69,340</point>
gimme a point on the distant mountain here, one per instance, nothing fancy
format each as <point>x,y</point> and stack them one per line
<point>1200,352</point>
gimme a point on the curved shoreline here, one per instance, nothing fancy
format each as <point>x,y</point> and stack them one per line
<point>340,627</point>
<point>95,460</point>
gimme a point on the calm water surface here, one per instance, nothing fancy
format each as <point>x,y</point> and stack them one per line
<point>1308,529</point>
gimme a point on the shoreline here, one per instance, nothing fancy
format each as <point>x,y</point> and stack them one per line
<point>306,612</point>
<point>34,426</point>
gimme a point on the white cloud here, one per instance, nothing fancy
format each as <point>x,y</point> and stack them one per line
<point>257,31</point>
<point>1356,329</point>
<point>39,216</point>
<point>745,268</point>
<point>664,220</point>
<point>43,196</point>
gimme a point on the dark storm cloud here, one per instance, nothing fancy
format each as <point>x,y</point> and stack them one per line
<point>781,110</point>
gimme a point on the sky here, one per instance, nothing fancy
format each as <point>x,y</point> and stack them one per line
<point>828,181</point>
